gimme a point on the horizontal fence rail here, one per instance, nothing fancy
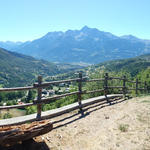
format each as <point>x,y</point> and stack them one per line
<point>80,80</point>
<point>94,80</point>
<point>46,84</point>
<point>17,89</point>
<point>50,99</point>
<point>16,106</point>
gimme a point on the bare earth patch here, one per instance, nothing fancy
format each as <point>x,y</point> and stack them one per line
<point>122,126</point>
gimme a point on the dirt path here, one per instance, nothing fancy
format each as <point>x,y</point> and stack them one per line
<point>123,126</point>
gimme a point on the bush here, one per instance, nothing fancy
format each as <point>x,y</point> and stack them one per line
<point>31,110</point>
<point>7,115</point>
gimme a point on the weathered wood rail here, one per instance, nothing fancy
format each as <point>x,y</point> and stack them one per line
<point>78,105</point>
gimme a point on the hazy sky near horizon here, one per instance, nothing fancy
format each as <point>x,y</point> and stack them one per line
<point>22,20</point>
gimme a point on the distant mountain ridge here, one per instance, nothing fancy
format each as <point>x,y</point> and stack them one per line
<point>10,45</point>
<point>88,45</point>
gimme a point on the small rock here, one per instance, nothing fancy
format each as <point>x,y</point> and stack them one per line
<point>48,139</point>
<point>59,136</point>
<point>43,138</point>
<point>106,117</point>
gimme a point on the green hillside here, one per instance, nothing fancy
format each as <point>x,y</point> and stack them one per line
<point>132,65</point>
<point>133,68</point>
<point>20,70</point>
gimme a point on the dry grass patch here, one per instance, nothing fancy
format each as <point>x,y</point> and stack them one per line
<point>123,127</point>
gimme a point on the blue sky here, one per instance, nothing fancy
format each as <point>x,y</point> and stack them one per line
<point>22,20</point>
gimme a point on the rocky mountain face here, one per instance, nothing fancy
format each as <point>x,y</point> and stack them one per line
<point>88,45</point>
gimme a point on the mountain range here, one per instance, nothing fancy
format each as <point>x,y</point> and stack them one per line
<point>88,45</point>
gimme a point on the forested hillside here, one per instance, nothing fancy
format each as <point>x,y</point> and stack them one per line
<point>20,70</point>
<point>132,66</point>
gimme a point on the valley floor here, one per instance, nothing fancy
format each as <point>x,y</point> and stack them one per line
<point>122,126</point>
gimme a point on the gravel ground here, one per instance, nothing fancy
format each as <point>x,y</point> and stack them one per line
<point>122,126</point>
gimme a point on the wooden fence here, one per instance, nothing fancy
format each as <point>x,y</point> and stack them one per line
<point>80,80</point>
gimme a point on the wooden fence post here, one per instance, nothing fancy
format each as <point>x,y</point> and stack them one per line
<point>145,87</point>
<point>106,87</point>
<point>136,89</point>
<point>80,91</point>
<point>39,106</point>
<point>124,86</point>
